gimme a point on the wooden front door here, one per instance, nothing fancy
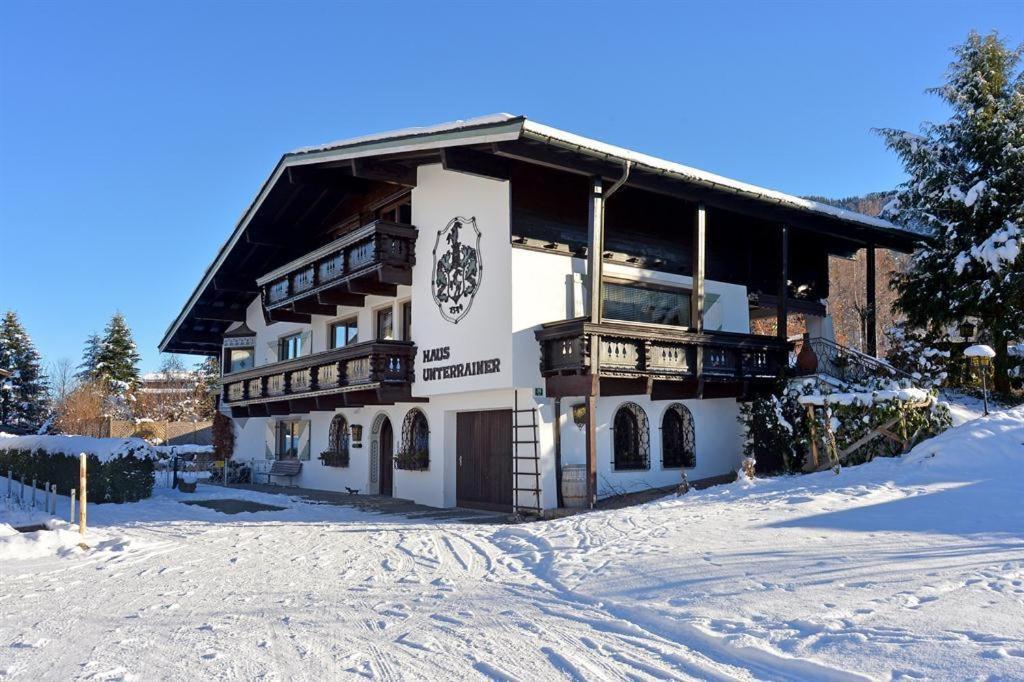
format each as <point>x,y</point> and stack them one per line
<point>387,451</point>
<point>483,449</point>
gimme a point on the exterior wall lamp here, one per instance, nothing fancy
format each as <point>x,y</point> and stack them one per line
<point>967,331</point>
<point>357,435</point>
<point>579,415</point>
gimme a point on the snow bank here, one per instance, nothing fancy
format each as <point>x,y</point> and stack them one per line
<point>989,443</point>
<point>60,539</point>
<point>105,449</point>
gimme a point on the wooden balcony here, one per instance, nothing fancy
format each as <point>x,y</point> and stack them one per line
<point>370,373</point>
<point>373,259</point>
<point>664,362</point>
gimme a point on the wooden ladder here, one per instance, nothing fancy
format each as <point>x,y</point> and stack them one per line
<point>525,498</point>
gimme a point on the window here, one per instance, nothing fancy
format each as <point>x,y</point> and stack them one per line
<point>337,444</point>
<point>414,453</point>
<point>397,212</point>
<point>343,333</point>
<point>678,442</point>
<point>289,433</point>
<point>289,347</point>
<point>386,324</point>
<point>240,359</point>
<point>641,302</point>
<point>407,321</point>
<point>631,439</point>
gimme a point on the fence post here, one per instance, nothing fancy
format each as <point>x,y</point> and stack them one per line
<point>10,475</point>
<point>81,484</point>
<point>46,496</point>
<point>71,516</point>
<point>21,489</point>
<point>54,506</point>
<point>33,493</point>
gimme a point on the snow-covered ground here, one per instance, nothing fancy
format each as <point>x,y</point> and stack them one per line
<point>899,569</point>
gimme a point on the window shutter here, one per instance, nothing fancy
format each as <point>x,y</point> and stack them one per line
<point>271,436</point>
<point>304,433</point>
<point>307,343</point>
<point>272,350</point>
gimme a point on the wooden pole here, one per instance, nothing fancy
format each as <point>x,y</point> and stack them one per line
<point>81,486</point>
<point>814,437</point>
<point>871,332</point>
<point>697,294</point>
<point>782,310</point>
<point>592,449</point>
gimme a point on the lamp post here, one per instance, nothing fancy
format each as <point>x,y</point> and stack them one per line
<point>980,357</point>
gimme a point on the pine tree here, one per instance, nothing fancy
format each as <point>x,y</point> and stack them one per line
<point>90,358</point>
<point>24,395</point>
<point>117,360</point>
<point>207,386</point>
<point>966,190</point>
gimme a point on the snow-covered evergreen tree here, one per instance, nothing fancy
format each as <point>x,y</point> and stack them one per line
<point>24,397</point>
<point>207,386</point>
<point>90,358</point>
<point>117,366</point>
<point>966,190</point>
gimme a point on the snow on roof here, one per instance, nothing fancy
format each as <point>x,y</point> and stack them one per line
<point>980,351</point>
<point>167,376</point>
<point>546,132</point>
<point>450,126</point>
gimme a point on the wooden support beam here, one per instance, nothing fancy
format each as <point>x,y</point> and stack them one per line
<point>471,162</point>
<point>338,297</point>
<point>782,309</point>
<point>595,267</point>
<point>570,385</point>
<point>871,319</point>
<point>613,386</point>
<point>311,307</point>
<point>591,429</point>
<point>698,255</point>
<point>383,171</point>
<point>282,315</point>
<point>370,287</point>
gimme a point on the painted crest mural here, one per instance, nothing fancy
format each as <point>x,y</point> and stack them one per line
<point>458,268</point>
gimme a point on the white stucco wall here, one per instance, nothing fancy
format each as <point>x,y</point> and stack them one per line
<point>719,442</point>
<point>484,333</point>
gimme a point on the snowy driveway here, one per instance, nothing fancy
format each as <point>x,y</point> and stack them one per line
<point>900,569</point>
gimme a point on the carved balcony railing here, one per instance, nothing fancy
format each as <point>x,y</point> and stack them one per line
<point>384,368</point>
<point>368,260</point>
<point>645,351</point>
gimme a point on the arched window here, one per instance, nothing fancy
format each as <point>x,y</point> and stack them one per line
<point>415,451</point>
<point>678,442</point>
<point>631,438</point>
<point>336,454</point>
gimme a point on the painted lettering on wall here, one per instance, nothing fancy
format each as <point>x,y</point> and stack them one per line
<point>462,369</point>
<point>437,354</point>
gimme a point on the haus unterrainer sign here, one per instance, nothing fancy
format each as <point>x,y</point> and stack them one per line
<point>456,370</point>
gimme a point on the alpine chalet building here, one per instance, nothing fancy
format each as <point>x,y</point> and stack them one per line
<point>459,314</point>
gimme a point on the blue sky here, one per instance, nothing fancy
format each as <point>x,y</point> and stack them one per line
<point>132,135</point>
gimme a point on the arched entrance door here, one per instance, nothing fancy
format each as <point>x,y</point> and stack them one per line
<point>386,440</point>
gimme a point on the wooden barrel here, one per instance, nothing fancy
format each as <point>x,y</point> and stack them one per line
<point>574,485</point>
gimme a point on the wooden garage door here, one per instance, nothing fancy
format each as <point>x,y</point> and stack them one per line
<point>483,448</point>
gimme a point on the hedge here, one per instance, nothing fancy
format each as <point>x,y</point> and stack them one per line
<point>120,479</point>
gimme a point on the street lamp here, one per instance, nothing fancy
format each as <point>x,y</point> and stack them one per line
<point>980,357</point>
<point>967,330</point>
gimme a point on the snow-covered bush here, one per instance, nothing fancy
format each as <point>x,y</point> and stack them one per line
<point>769,435</point>
<point>914,352</point>
<point>842,415</point>
<point>124,478</point>
<point>780,428</point>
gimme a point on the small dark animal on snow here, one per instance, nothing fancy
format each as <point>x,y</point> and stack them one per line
<point>352,491</point>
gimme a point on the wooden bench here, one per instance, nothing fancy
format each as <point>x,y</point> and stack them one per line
<point>284,467</point>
